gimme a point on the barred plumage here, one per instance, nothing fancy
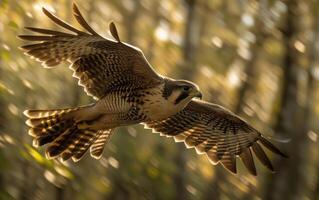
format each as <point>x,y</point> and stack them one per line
<point>98,146</point>
<point>129,91</point>
<point>100,64</point>
<point>218,133</point>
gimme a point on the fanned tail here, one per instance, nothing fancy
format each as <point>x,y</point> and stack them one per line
<point>59,129</point>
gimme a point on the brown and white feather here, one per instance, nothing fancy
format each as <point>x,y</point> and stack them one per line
<point>101,65</point>
<point>218,133</point>
<point>129,91</point>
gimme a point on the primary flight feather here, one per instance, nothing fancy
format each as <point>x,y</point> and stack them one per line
<point>128,91</point>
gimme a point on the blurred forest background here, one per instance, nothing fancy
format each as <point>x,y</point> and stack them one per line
<point>260,59</point>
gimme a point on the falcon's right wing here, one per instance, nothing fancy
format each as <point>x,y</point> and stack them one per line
<point>218,133</point>
<point>100,64</point>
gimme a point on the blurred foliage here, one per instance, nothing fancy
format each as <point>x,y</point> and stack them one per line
<point>234,50</point>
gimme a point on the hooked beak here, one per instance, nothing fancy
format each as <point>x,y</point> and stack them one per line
<point>199,95</point>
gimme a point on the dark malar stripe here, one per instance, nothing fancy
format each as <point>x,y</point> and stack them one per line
<point>169,86</point>
<point>181,97</point>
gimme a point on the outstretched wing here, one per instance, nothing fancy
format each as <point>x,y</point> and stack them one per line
<point>100,64</point>
<point>218,133</point>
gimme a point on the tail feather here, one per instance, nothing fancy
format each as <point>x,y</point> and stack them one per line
<point>66,155</point>
<point>78,144</point>
<point>36,132</point>
<point>97,147</point>
<point>42,122</point>
<point>44,130</point>
<point>60,130</point>
<point>84,144</point>
<point>45,139</point>
<point>62,142</point>
<point>38,114</point>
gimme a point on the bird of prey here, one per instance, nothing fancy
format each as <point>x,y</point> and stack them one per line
<point>128,91</point>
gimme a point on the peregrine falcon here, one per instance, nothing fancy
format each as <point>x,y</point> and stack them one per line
<point>128,91</point>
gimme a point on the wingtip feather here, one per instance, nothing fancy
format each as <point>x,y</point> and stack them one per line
<point>230,163</point>
<point>272,147</point>
<point>19,37</point>
<point>45,11</point>
<point>114,32</point>
<point>74,6</point>
<point>248,161</point>
<point>262,156</point>
<point>60,22</point>
<point>80,19</point>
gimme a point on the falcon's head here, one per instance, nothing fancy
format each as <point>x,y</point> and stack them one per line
<point>180,92</point>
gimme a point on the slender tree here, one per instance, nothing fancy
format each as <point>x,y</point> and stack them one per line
<point>251,68</point>
<point>311,87</point>
<point>315,193</point>
<point>289,181</point>
<point>2,122</point>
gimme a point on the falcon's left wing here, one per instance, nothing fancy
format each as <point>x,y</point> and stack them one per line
<point>218,133</point>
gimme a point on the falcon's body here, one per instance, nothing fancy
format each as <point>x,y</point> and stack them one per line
<point>134,106</point>
<point>128,91</point>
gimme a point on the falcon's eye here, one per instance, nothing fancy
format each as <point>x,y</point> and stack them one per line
<point>186,87</point>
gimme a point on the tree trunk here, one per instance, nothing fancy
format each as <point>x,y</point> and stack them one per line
<point>315,194</point>
<point>288,182</point>
<point>2,122</point>
<point>311,86</point>
<point>251,68</point>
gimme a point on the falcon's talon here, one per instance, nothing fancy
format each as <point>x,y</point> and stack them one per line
<point>165,105</point>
